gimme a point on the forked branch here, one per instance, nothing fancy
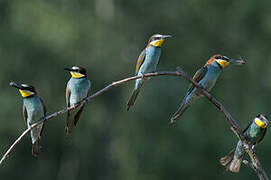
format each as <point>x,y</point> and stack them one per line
<point>255,165</point>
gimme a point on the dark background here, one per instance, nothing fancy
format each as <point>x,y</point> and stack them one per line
<point>38,38</point>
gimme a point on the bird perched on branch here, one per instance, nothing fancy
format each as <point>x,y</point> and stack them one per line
<point>33,110</point>
<point>147,63</point>
<point>254,133</point>
<point>77,89</point>
<point>206,77</point>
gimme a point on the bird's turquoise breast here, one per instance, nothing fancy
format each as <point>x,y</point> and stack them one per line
<point>35,112</point>
<point>34,108</point>
<point>151,59</point>
<point>210,78</point>
<point>78,89</point>
<point>254,133</point>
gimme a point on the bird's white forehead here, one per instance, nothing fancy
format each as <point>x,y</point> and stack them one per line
<point>75,68</point>
<point>25,85</point>
<point>157,35</point>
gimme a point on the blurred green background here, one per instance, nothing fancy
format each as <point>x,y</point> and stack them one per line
<point>38,38</point>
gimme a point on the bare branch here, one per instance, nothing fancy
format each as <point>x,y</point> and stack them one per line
<point>233,124</point>
<point>249,164</point>
<point>262,175</point>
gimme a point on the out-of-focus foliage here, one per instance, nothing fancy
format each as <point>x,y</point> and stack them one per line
<point>38,38</point>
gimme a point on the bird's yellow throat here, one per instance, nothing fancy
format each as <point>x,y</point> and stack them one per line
<point>259,123</point>
<point>25,93</point>
<point>158,43</point>
<point>222,63</point>
<point>76,74</point>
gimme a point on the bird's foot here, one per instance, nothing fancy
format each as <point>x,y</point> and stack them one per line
<point>144,77</point>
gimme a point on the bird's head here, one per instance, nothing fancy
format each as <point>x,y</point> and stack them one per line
<point>223,61</point>
<point>261,121</point>
<point>77,72</point>
<point>157,40</point>
<point>24,89</point>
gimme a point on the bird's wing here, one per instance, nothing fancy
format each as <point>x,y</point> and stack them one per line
<point>44,107</point>
<point>197,77</point>
<point>67,96</point>
<point>140,60</point>
<point>77,116</point>
<point>89,82</point>
<point>44,111</point>
<point>261,137</point>
<point>25,114</point>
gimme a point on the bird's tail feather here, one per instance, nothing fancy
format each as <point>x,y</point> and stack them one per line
<point>132,99</point>
<point>36,148</point>
<point>136,91</point>
<point>69,124</point>
<point>231,163</point>
<point>178,113</point>
<point>78,114</point>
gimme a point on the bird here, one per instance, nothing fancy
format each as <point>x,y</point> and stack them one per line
<point>254,134</point>
<point>146,63</point>
<point>33,110</point>
<point>206,77</point>
<point>77,89</point>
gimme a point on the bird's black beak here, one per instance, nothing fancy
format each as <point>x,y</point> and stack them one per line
<point>68,69</point>
<point>14,84</point>
<point>166,36</point>
<point>237,62</point>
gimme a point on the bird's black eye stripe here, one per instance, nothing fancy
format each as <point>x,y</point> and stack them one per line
<point>218,57</point>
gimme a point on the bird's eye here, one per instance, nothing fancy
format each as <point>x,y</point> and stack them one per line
<point>218,57</point>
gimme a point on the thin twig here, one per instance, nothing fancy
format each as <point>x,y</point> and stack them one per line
<point>234,126</point>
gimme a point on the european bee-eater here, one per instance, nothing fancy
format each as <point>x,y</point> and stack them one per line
<point>206,77</point>
<point>77,89</point>
<point>33,110</point>
<point>147,63</point>
<point>254,133</point>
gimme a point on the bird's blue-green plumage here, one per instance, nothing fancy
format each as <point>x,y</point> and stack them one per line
<point>150,59</point>
<point>253,134</point>
<point>33,110</point>
<point>147,63</point>
<point>77,89</point>
<point>205,77</point>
